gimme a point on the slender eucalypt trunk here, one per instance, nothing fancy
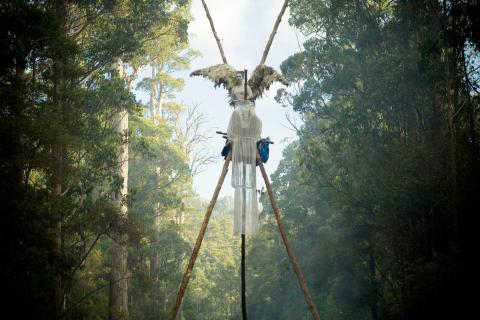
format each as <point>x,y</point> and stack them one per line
<point>118,297</point>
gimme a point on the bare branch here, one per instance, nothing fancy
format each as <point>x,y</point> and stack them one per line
<point>193,137</point>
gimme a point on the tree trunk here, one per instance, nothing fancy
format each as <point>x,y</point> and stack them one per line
<point>153,94</point>
<point>16,178</point>
<point>436,126</point>
<point>451,101</point>
<point>158,297</point>
<point>373,281</point>
<point>161,98</point>
<point>57,165</point>
<point>118,299</point>
<point>158,284</point>
<point>160,95</point>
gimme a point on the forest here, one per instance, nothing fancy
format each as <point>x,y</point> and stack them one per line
<point>377,192</point>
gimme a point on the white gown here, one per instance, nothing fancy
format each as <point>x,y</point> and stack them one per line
<point>244,131</point>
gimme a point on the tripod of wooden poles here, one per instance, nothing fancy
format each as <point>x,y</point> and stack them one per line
<point>281,227</point>
<point>283,233</point>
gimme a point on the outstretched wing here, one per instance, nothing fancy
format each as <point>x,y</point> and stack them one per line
<point>261,79</point>
<point>221,75</point>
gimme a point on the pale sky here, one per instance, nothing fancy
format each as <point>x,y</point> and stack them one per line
<point>244,27</point>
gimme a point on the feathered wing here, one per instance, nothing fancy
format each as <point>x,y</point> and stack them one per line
<point>221,75</point>
<point>262,78</point>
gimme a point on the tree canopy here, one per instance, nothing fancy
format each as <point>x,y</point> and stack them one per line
<point>378,193</point>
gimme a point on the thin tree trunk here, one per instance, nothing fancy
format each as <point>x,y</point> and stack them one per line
<point>57,156</point>
<point>158,284</point>
<point>118,298</point>
<point>161,99</point>
<point>16,161</point>
<point>158,299</point>
<point>160,96</point>
<point>373,281</point>
<point>450,73</point>
<point>436,126</point>
<point>153,95</point>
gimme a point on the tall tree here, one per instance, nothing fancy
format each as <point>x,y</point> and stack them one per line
<point>118,300</point>
<point>58,107</point>
<point>381,88</point>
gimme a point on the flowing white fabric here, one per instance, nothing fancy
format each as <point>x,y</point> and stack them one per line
<point>244,131</point>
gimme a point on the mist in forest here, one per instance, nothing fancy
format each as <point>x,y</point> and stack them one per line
<point>377,191</point>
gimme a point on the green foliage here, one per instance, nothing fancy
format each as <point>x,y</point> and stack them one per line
<point>214,289</point>
<point>378,193</point>
<point>387,143</point>
<point>60,94</point>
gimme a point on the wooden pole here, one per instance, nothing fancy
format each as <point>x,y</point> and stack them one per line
<point>274,31</point>
<point>224,59</point>
<point>198,243</point>
<point>245,90</point>
<point>244,226</point>
<point>283,233</point>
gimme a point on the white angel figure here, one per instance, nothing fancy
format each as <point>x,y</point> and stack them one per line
<point>244,130</point>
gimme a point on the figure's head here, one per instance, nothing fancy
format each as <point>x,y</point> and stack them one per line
<point>240,75</point>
